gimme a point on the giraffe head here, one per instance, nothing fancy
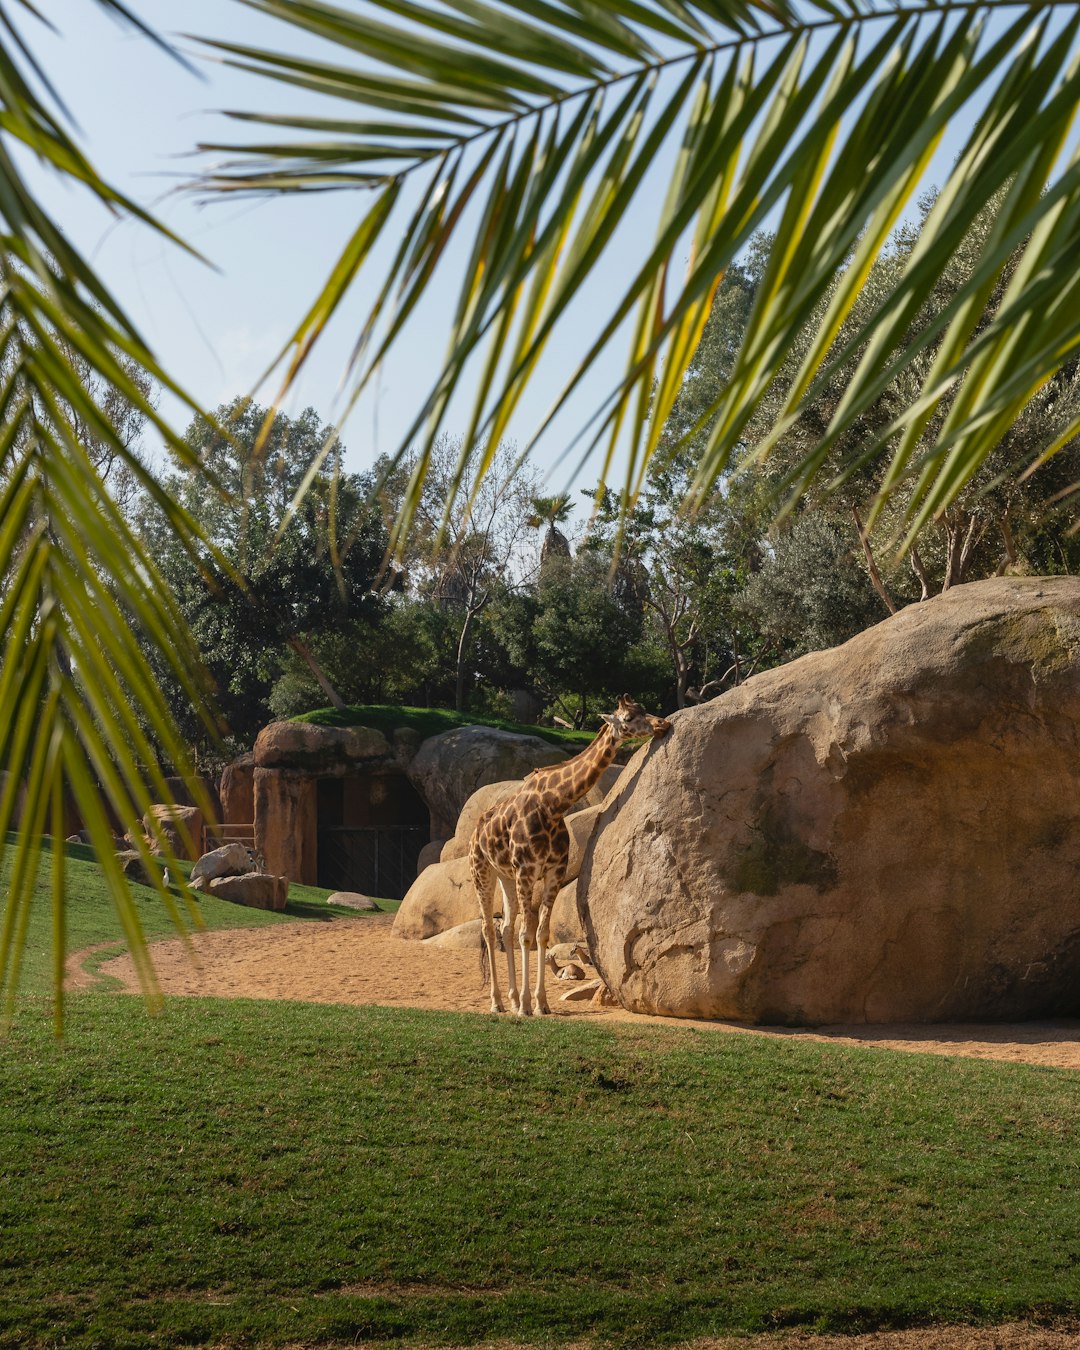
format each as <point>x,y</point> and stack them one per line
<point>630,720</point>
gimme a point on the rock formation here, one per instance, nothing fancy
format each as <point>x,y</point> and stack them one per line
<point>448,769</point>
<point>255,889</point>
<point>237,790</point>
<point>887,831</point>
<point>181,826</point>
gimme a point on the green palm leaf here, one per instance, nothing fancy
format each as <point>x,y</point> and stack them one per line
<point>818,120</point>
<point>83,723</point>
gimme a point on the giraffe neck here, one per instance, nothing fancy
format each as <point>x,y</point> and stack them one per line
<point>576,776</point>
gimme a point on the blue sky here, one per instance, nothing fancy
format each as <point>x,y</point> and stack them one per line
<point>217,328</point>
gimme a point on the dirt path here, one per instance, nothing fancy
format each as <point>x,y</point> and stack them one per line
<point>357,961</point>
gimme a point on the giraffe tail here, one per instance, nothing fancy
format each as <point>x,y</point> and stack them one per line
<point>485,969</point>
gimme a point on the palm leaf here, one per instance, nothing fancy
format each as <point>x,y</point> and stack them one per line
<point>82,720</point>
<point>820,119</point>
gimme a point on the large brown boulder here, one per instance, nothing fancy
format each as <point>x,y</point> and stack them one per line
<point>448,768</point>
<point>888,831</point>
<point>441,897</point>
<point>326,751</point>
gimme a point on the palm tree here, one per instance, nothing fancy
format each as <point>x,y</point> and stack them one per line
<point>552,512</point>
<point>530,135</point>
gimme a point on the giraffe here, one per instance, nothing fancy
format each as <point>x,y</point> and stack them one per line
<point>523,843</point>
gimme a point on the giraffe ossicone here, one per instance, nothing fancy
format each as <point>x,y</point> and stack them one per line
<point>522,845</point>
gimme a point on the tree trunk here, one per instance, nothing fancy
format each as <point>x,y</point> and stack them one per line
<point>462,649</point>
<point>920,571</point>
<point>1009,560</point>
<point>304,652</point>
<point>871,564</point>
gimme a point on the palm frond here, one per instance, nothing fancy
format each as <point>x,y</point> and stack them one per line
<point>83,723</point>
<point>818,120</point>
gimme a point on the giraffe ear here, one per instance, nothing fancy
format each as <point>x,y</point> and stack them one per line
<point>611,719</point>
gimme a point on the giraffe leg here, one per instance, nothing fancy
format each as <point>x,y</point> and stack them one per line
<point>527,938</point>
<point>549,889</point>
<point>484,880</point>
<point>510,915</point>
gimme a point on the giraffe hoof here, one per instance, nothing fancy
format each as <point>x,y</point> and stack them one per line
<point>497,1007</point>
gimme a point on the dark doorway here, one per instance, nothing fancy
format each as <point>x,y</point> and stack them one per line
<point>371,830</point>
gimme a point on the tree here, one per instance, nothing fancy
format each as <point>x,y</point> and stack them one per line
<point>280,578</point>
<point>986,528</point>
<point>687,571</point>
<point>551,512</point>
<point>465,543</point>
<point>811,591</point>
<point>572,634</point>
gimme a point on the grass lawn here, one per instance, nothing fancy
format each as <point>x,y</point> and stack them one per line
<point>432,721</point>
<point>242,1173</point>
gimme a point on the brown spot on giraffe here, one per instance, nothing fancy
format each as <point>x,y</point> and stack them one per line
<point>523,844</point>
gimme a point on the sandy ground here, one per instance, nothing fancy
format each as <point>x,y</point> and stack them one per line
<point>356,961</point>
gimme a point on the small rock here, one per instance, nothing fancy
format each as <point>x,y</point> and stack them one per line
<point>465,937</point>
<point>352,900</point>
<point>231,860</point>
<point>257,889</point>
<point>134,868</point>
<point>582,991</point>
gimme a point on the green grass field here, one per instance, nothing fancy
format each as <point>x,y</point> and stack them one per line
<point>242,1173</point>
<point>433,721</point>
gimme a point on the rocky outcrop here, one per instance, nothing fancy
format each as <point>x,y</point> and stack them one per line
<point>600,789</point>
<point>180,827</point>
<point>237,790</point>
<point>449,768</point>
<point>231,860</point>
<point>134,868</point>
<point>258,890</point>
<point>318,750</point>
<point>286,823</point>
<point>888,831</point>
<point>463,937</point>
<point>430,854</point>
<point>441,897</point>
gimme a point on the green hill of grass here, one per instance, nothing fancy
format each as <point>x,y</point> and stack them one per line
<point>386,717</point>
